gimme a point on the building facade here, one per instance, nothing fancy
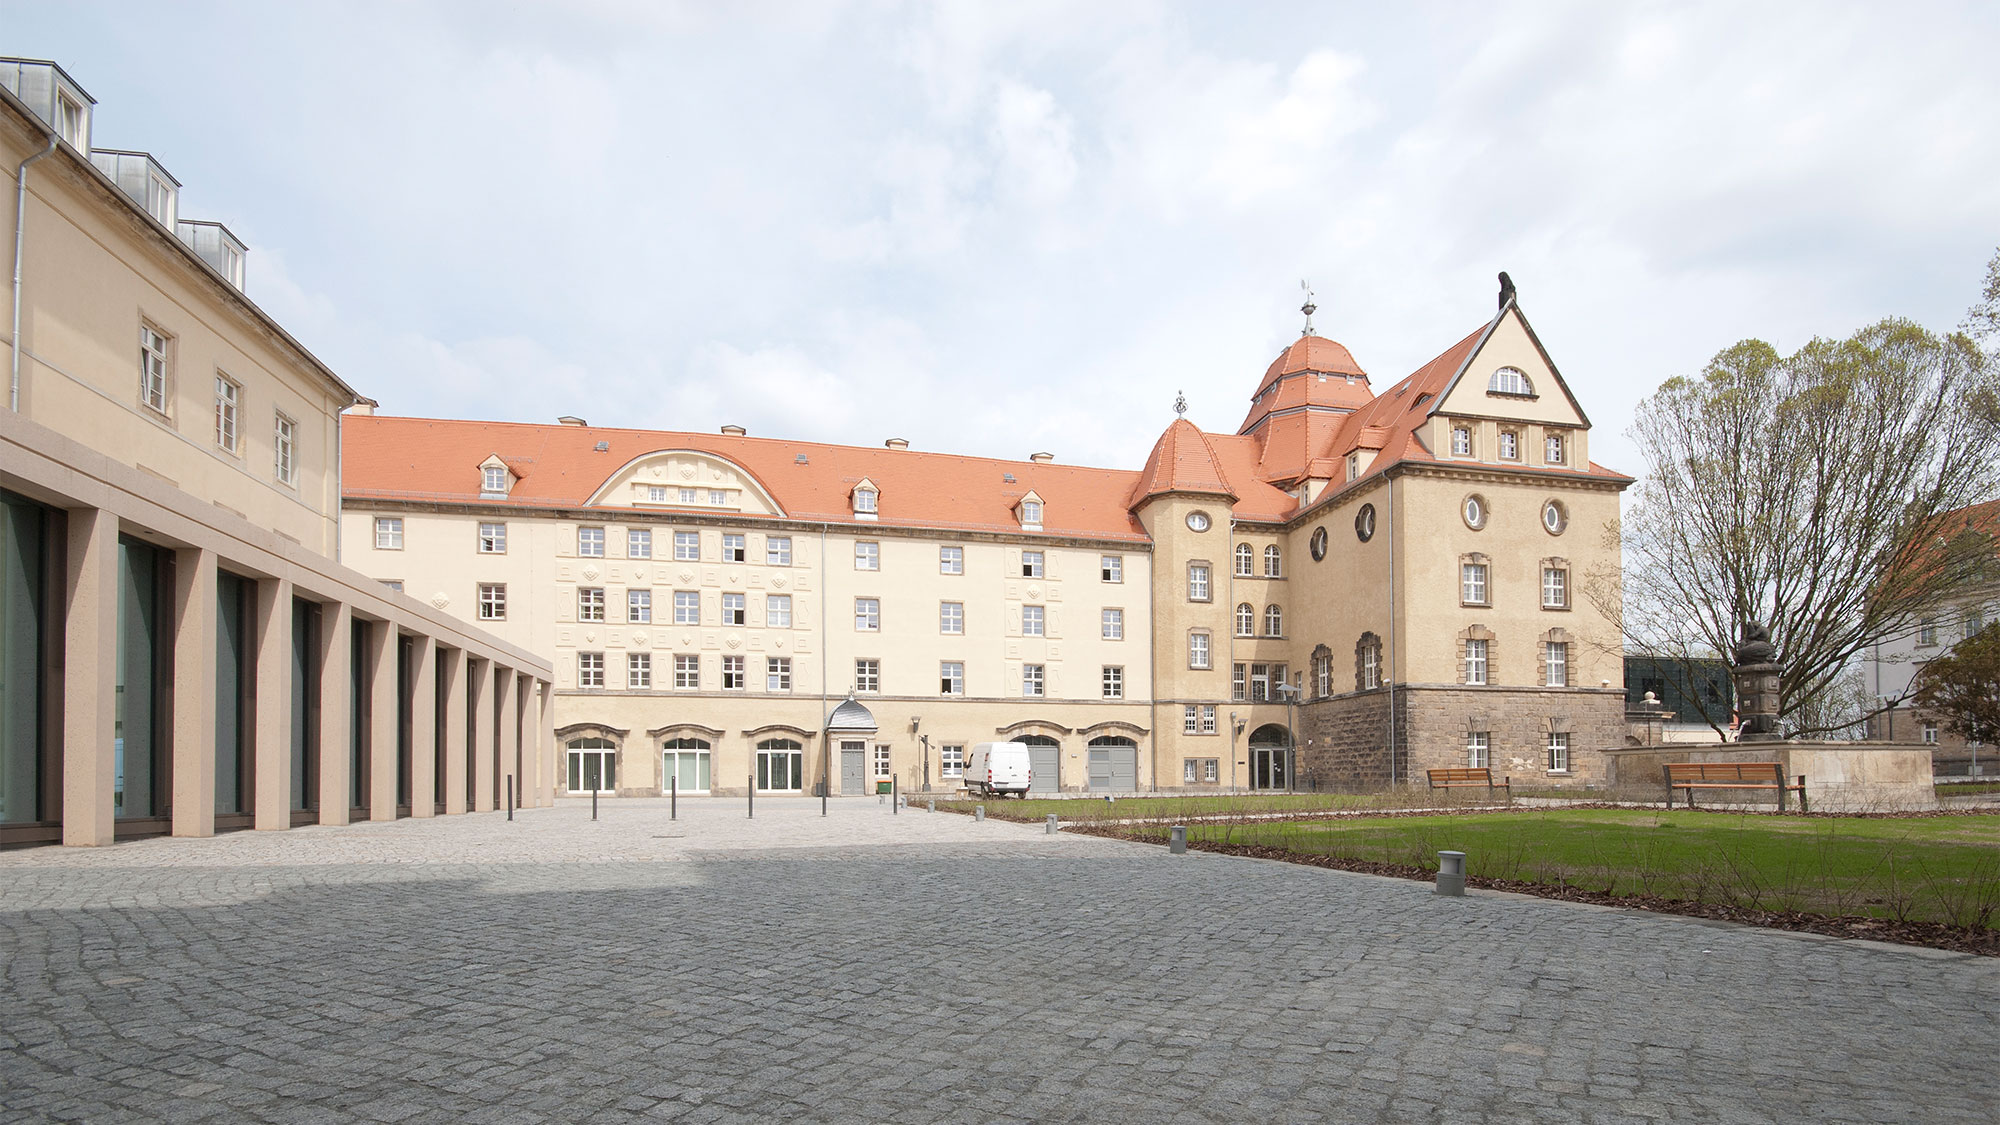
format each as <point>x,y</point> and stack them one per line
<point>1351,588</point>
<point>183,651</point>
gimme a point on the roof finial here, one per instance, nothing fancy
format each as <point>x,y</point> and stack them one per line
<point>1180,404</point>
<point>1308,308</point>
<point>1506,289</point>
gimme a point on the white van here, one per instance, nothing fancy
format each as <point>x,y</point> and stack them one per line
<point>999,768</point>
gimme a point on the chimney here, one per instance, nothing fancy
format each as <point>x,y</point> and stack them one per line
<point>1041,458</point>
<point>364,407</point>
<point>735,431</point>
<point>572,420</point>
<point>897,443</point>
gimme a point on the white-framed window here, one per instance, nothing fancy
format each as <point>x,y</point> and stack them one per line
<point>1190,724</point>
<point>867,556</point>
<point>1555,588</point>
<point>1114,682</point>
<point>1032,624</point>
<point>882,759</point>
<point>1032,678</point>
<point>285,450</point>
<point>687,672</point>
<point>1198,651</point>
<point>684,764</point>
<point>1930,734</point>
<point>687,607</point>
<point>590,542</point>
<point>1262,682</point>
<point>687,546</point>
<point>1211,769</point>
<point>718,497</point>
<point>865,500</point>
<point>590,603</point>
<point>492,538</point>
<point>1927,632</point>
<point>155,347</point>
<point>493,601</point>
<point>1558,753</point>
<point>638,543</point>
<point>1510,381</point>
<point>1274,621</point>
<point>1208,722</point>
<point>1031,513</point>
<point>780,766</point>
<point>778,550</point>
<point>228,413</point>
<point>733,549</point>
<point>1031,564</point>
<point>638,671</point>
<point>69,119</point>
<point>1472,583</point>
<point>656,494</point>
<point>1475,662</point>
<point>1274,562</point>
<point>778,611</point>
<point>687,495</point>
<point>733,676</point>
<point>1111,568</point>
<point>1190,766</point>
<point>868,614</point>
<point>951,760</point>
<point>590,669</point>
<point>1323,676</point>
<point>1479,749</point>
<point>388,533</point>
<point>1246,557</point>
<point>493,478</point>
<point>1246,619</point>
<point>1555,663</point>
<point>1198,582</point>
<point>1510,445</point>
<point>1552,449</point>
<point>1239,683</point>
<point>1974,622</point>
<point>593,765</point>
<point>951,560</point>
<point>1461,441</point>
<point>951,617</point>
<point>639,607</point>
<point>868,675</point>
<point>951,677</point>
<point>1371,665</point>
<point>1113,627</point>
<point>735,609</point>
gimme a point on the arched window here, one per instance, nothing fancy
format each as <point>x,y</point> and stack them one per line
<point>1246,620</point>
<point>1510,381</point>
<point>684,765</point>
<point>593,765</point>
<point>780,766</point>
<point>1274,621</point>
<point>1272,560</point>
<point>1368,663</point>
<point>1245,556</point>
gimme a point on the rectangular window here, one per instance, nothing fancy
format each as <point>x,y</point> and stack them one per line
<point>1260,683</point>
<point>1031,679</point>
<point>1371,667</point>
<point>1031,621</point>
<point>1927,632</point>
<point>777,673</point>
<point>1559,753</point>
<point>868,614</point>
<point>1555,587</point>
<point>1031,564</point>
<point>1555,654</point>
<point>1472,583</point>
<point>868,675</point>
<point>492,538</point>
<point>1211,769</point>
<point>639,607</point>
<point>687,495</point>
<point>638,671</point>
<point>1510,445</point>
<point>590,542</point>
<point>590,669</point>
<point>732,673</point>
<point>493,601</point>
<point>1197,582</point>
<point>733,549</point>
<point>1114,682</point>
<point>1198,650</point>
<point>881,759</point>
<point>778,550</point>
<point>1323,676</point>
<point>687,672</point>
<point>1112,567</point>
<point>493,480</point>
<point>718,497</point>
<point>590,603</point>
<point>951,617</point>
<point>638,543</point>
<point>865,502</point>
<point>228,399</point>
<point>951,560</point>
<point>687,546</point>
<point>951,677</point>
<point>687,607</point>
<point>1239,682</point>
<point>1353,465</point>
<point>1930,734</point>
<point>867,556</point>
<point>951,760</point>
<point>1553,449</point>
<point>1461,441</point>
<point>153,349</point>
<point>735,609</point>
<point>1114,625</point>
<point>1208,720</point>
<point>1190,767</point>
<point>1190,724</point>
<point>778,611</point>
<point>1479,749</point>
<point>285,450</point>
<point>656,494</point>
<point>1475,662</point>
<point>388,533</point>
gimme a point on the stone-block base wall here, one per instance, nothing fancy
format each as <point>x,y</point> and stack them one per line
<point>1344,740</point>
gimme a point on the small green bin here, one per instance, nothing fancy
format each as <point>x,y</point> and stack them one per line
<point>882,786</point>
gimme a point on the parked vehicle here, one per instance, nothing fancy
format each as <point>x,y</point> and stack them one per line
<point>999,768</point>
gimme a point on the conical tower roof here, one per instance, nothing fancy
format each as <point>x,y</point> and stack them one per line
<point>1182,461</point>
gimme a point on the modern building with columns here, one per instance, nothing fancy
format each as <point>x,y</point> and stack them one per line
<point>1352,587</point>
<point>181,649</point>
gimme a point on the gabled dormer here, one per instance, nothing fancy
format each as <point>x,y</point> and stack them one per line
<point>866,499</point>
<point>1507,403</point>
<point>496,480</point>
<point>1029,511</point>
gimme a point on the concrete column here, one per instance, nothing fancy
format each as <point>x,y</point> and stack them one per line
<point>480,734</point>
<point>90,677</point>
<point>545,741</point>
<point>336,687</point>
<point>423,727</point>
<point>194,692</point>
<point>507,684</point>
<point>385,712</point>
<point>272,739</point>
<point>451,719</point>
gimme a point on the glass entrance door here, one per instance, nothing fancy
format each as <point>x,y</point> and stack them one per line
<point>1267,767</point>
<point>593,766</point>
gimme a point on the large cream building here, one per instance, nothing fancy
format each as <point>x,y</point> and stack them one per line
<point>180,648</point>
<point>1353,587</point>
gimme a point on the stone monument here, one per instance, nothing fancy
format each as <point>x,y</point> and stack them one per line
<point>1756,671</point>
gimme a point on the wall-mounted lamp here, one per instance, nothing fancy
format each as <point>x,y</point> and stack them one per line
<point>914,720</point>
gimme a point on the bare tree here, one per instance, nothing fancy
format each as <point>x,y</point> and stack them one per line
<point>1820,494</point>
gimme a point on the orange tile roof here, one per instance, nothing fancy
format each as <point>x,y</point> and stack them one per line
<point>1181,461</point>
<point>1329,380</point>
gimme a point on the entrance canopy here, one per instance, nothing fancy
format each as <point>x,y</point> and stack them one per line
<point>850,718</point>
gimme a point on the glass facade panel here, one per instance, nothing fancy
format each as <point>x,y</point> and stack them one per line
<point>232,667</point>
<point>138,748</point>
<point>22,594</point>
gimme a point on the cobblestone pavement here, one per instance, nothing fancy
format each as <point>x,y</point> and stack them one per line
<point>914,968</point>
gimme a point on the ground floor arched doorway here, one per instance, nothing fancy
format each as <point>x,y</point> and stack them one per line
<point>1270,757</point>
<point>1114,764</point>
<point>1044,758</point>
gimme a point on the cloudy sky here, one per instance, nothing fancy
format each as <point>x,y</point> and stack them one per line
<point>1005,227</point>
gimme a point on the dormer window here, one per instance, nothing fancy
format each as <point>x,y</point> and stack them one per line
<point>1510,381</point>
<point>1353,465</point>
<point>865,500</point>
<point>494,479</point>
<point>1030,511</point>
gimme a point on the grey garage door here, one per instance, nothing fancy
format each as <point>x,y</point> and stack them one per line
<point>1042,759</point>
<point>1114,769</point>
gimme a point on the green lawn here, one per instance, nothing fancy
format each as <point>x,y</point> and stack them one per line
<point>1084,810</point>
<point>1941,869</point>
<point>1966,788</point>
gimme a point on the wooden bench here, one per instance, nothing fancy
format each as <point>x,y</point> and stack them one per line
<point>1690,776</point>
<point>1461,777</point>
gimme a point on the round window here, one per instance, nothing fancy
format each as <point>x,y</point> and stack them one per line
<point>1555,517</point>
<point>1197,521</point>
<point>1317,544</point>
<point>1364,523</point>
<point>1475,511</point>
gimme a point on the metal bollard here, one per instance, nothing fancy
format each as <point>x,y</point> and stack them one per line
<point>930,806</point>
<point>593,804</point>
<point>1053,827</point>
<point>895,801</point>
<point>1451,874</point>
<point>979,812</point>
<point>1177,840</point>
<point>750,787</point>
<point>674,798</point>
<point>510,796</point>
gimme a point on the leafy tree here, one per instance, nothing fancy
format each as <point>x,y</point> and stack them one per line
<point>1962,687</point>
<point>1821,494</point>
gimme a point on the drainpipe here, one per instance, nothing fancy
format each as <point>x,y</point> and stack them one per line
<point>1390,504</point>
<point>20,227</point>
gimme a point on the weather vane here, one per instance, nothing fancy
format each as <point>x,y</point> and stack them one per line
<point>1180,404</point>
<point>1308,308</point>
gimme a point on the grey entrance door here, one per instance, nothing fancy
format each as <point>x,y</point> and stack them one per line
<point>1042,759</point>
<point>1114,769</point>
<point>853,768</point>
